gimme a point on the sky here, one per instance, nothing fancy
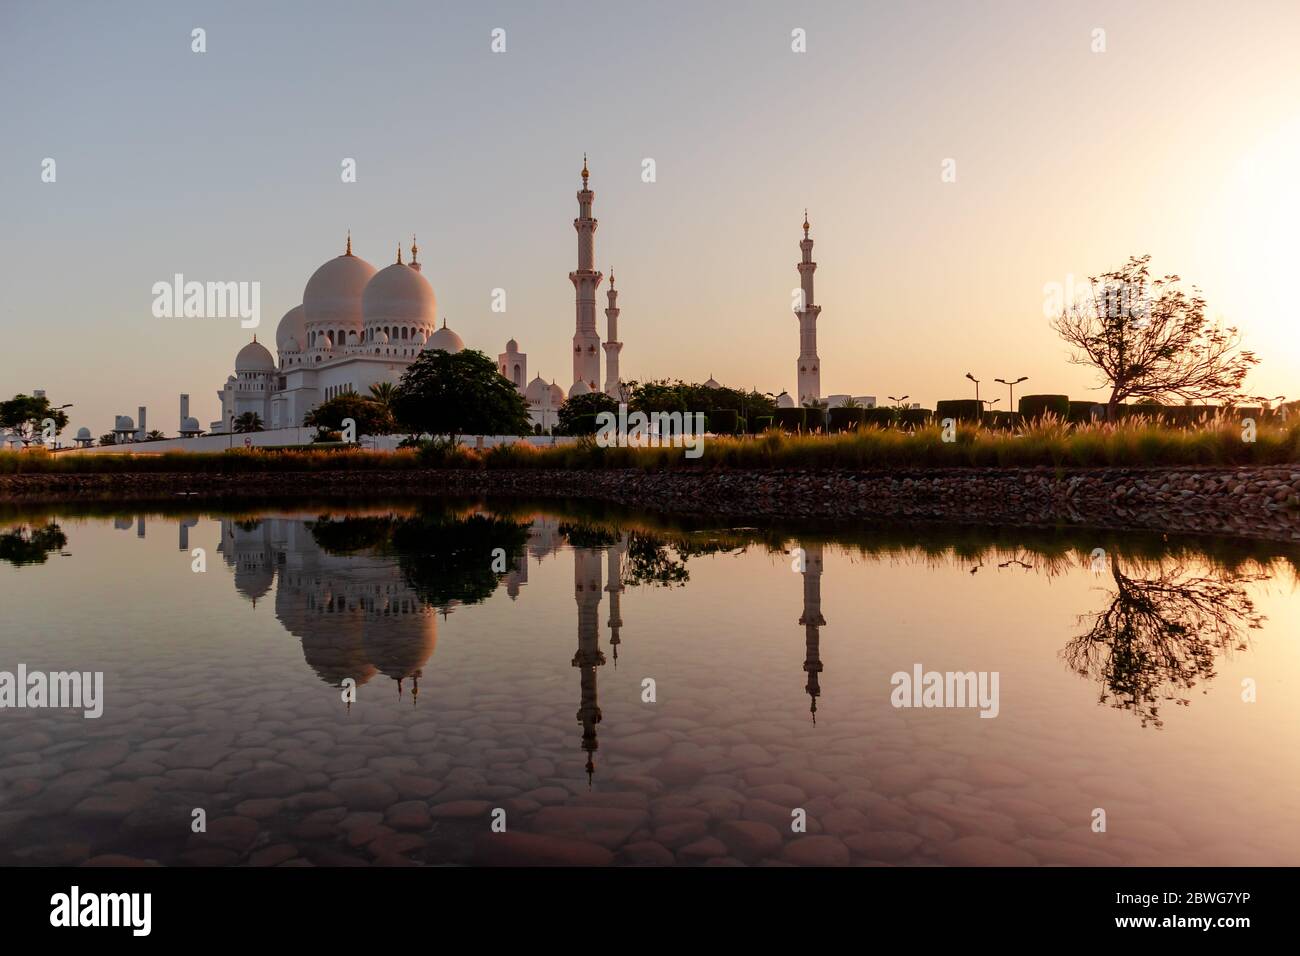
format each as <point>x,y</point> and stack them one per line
<point>1181,139</point>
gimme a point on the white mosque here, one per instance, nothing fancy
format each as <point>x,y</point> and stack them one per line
<point>358,327</point>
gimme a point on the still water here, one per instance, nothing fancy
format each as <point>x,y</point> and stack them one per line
<point>513,682</point>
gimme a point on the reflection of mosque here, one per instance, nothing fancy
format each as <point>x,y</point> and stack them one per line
<point>353,613</point>
<point>587,592</point>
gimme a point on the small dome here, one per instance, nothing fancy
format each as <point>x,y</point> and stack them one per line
<point>381,338</point>
<point>784,401</point>
<point>254,357</point>
<point>446,340</point>
<point>191,424</point>
<point>712,383</point>
<point>579,388</point>
<point>537,392</point>
<point>291,330</point>
<point>418,339</point>
<point>557,395</point>
<point>123,423</point>
<point>83,433</point>
<point>512,346</point>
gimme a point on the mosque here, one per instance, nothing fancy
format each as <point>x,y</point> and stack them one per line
<point>358,327</point>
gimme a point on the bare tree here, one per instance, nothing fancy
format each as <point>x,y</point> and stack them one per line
<point>1150,339</point>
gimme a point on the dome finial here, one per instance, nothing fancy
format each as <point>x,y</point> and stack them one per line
<point>415,250</point>
<point>611,277</point>
<point>805,222</point>
<point>349,249</point>
<point>399,253</point>
<point>585,174</point>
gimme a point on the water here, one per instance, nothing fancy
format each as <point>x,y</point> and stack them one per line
<point>616,688</point>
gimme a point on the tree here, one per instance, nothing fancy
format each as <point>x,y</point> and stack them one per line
<point>384,393</point>
<point>461,394</point>
<point>154,435</point>
<point>25,415</point>
<point>248,422</point>
<point>371,417</point>
<point>1149,339</point>
<point>106,439</point>
<point>850,402</point>
<point>662,395</point>
<point>576,416</point>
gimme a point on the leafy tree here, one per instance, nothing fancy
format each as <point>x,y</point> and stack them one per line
<point>571,418</point>
<point>461,394</point>
<point>384,393</point>
<point>850,402</point>
<point>106,439</point>
<point>663,395</point>
<point>23,415</point>
<point>371,417</point>
<point>249,422</point>
<point>154,435</point>
<point>1149,339</point>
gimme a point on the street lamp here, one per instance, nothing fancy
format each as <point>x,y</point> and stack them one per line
<point>1011,387</point>
<point>977,385</point>
<point>898,402</point>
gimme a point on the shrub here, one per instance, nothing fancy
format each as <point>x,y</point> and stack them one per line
<point>1083,412</point>
<point>880,417</point>
<point>962,409</point>
<point>725,421</point>
<point>760,424</point>
<point>1033,407</point>
<point>814,419</point>
<point>789,419</point>
<point>844,419</point>
<point>915,417</point>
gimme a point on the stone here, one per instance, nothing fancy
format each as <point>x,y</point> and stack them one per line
<point>808,850</point>
<point>607,826</point>
<point>647,853</point>
<point>461,810</point>
<point>270,782</point>
<point>363,794</point>
<point>533,849</point>
<point>984,851</point>
<point>887,845</point>
<point>408,815</point>
<point>749,840</point>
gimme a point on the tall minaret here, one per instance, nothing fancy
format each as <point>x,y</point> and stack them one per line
<point>586,340</point>
<point>812,622</point>
<point>612,345</point>
<point>810,366</point>
<point>615,585</point>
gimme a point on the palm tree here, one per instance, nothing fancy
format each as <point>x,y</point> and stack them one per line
<point>850,402</point>
<point>154,435</point>
<point>383,393</point>
<point>248,422</point>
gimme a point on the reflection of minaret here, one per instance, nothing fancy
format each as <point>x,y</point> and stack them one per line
<point>812,621</point>
<point>139,526</point>
<point>586,591</point>
<point>615,589</point>
<point>185,525</point>
<point>517,575</point>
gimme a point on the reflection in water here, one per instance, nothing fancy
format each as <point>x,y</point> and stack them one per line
<point>812,622</point>
<point>1161,634</point>
<point>26,544</point>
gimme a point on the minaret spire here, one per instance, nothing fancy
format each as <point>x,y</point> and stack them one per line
<point>399,253</point>
<point>415,254</point>
<point>809,376</point>
<point>585,279</point>
<point>348,252</point>
<point>612,345</point>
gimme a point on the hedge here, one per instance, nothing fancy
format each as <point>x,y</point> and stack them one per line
<point>962,409</point>
<point>1081,412</point>
<point>761,423</point>
<point>1036,406</point>
<point>915,417</point>
<point>814,419</point>
<point>844,419</point>
<point>789,419</point>
<point>725,421</point>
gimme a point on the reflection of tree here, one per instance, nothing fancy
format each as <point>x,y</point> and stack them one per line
<point>1160,635</point>
<point>648,562</point>
<point>586,535</point>
<point>23,545</point>
<point>443,557</point>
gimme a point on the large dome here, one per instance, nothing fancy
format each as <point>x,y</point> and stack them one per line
<point>332,298</point>
<point>446,340</point>
<point>398,296</point>
<point>537,392</point>
<point>292,331</point>
<point>254,357</point>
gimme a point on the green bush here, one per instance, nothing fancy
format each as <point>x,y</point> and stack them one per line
<point>1083,412</point>
<point>1034,407</point>
<point>760,424</point>
<point>962,409</point>
<point>789,419</point>
<point>814,419</point>
<point>915,417</point>
<point>1003,421</point>
<point>844,419</point>
<point>725,421</point>
<point>882,417</point>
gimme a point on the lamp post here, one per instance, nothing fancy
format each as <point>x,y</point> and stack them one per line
<point>977,385</point>
<point>1011,389</point>
<point>898,400</point>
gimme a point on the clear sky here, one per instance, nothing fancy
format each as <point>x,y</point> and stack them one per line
<point>1181,140</point>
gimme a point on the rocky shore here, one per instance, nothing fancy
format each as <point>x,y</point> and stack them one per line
<point>1262,502</point>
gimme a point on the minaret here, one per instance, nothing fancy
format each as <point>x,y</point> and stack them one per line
<point>586,591</point>
<point>612,345</point>
<point>586,340</point>
<point>812,622</point>
<point>810,374</point>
